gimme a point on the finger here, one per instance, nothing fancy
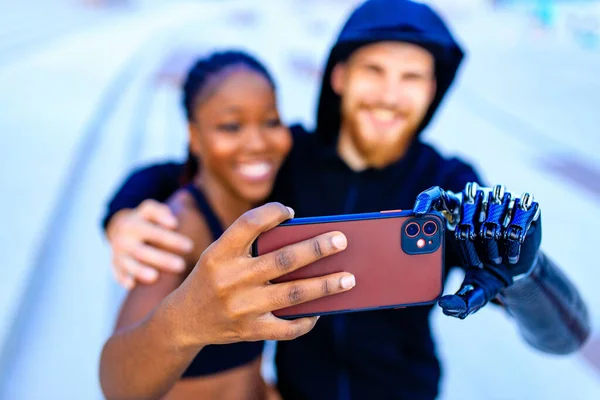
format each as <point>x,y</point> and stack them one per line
<point>278,329</point>
<point>122,277</point>
<point>492,229</point>
<point>426,200</point>
<point>525,212</point>
<point>244,231</point>
<point>158,213</point>
<point>156,258</point>
<point>287,259</point>
<point>282,295</point>
<point>136,270</point>
<point>466,230</point>
<point>479,287</point>
<point>444,202</point>
<point>164,238</point>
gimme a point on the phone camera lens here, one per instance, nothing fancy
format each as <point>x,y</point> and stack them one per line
<point>412,229</point>
<point>430,228</point>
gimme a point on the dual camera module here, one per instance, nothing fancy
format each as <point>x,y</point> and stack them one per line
<point>413,228</point>
<point>420,236</point>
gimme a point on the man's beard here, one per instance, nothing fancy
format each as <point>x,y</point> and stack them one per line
<point>379,153</point>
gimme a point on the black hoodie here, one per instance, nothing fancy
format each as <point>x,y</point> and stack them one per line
<point>379,354</point>
<point>389,20</point>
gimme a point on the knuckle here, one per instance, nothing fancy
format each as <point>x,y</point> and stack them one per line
<point>250,220</point>
<point>275,206</point>
<point>222,291</point>
<point>151,233</point>
<point>284,260</point>
<point>277,301</point>
<point>130,266</point>
<point>316,248</point>
<point>145,206</point>
<point>260,267</point>
<point>233,312</point>
<point>326,286</point>
<point>292,332</point>
<point>138,252</point>
<point>119,242</point>
<point>295,294</point>
<point>208,260</point>
<point>148,203</point>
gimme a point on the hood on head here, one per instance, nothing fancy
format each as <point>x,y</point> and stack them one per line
<point>389,20</point>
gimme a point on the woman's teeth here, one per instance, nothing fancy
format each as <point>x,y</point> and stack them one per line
<point>256,170</point>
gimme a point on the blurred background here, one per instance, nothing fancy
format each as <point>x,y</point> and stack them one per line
<point>89,89</point>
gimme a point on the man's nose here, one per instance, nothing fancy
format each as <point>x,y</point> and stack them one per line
<point>390,94</point>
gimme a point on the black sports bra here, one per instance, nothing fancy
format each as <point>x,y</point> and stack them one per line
<point>216,358</point>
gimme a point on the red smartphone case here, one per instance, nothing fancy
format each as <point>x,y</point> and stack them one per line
<point>383,253</point>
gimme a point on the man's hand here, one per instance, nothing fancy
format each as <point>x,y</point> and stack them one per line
<point>497,234</point>
<point>228,296</point>
<point>143,243</point>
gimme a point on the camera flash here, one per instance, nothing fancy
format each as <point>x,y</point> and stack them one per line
<point>420,243</point>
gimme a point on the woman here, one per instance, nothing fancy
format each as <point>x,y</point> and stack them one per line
<point>236,145</point>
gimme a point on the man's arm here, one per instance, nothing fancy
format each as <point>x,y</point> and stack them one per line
<point>547,307</point>
<point>156,182</point>
<point>550,313</point>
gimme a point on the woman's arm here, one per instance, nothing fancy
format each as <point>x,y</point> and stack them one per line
<point>143,359</point>
<point>144,356</point>
<point>226,298</point>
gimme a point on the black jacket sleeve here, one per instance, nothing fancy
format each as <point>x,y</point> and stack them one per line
<point>157,182</point>
<point>549,311</point>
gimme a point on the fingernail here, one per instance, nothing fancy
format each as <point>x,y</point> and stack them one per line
<point>292,212</point>
<point>339,241</point>
<point>187,245</point>
<point>169,220</point>
<point>150,274</point>
<point>178,264</point>
<point>348,282</point>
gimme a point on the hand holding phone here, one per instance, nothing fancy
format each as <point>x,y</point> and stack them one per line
<point>397,259</point>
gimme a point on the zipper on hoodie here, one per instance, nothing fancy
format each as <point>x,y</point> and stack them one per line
<point>339,321</point>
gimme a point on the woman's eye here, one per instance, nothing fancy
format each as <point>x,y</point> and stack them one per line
<point>229,128</point>
<point>273,123</point>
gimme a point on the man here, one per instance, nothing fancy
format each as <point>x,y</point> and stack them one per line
<point>392,64</point>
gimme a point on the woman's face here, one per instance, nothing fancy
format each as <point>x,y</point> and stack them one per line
<point>237,134</point>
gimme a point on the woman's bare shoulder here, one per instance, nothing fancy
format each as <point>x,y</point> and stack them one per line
<point>191,223</point>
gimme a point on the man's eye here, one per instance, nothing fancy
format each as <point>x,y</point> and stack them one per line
<point>413,76</point>
<point>373,68</point>
<point>229,128</point>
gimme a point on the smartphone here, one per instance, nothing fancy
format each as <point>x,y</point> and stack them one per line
<point>397,259</point>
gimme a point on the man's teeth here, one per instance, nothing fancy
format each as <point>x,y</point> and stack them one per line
<point>383,115</point>
<point>255,170</point>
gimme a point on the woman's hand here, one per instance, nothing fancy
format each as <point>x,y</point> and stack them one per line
<point>228,296</point>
